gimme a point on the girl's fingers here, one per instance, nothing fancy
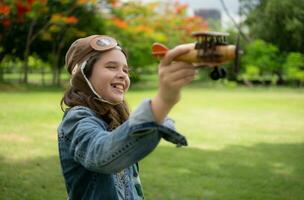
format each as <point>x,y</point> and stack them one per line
<point>175,67</point>
<point>179,65</point>
<point>184,81</point>
<point>175,52</point>
<point>180,74</point>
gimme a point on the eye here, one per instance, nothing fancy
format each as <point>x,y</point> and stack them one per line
<point>111,67</point>
<point>126,70</point>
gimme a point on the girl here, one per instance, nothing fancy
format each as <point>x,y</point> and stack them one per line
<point>99,143</point>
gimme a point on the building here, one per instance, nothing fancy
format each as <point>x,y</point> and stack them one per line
<point>213,17</point>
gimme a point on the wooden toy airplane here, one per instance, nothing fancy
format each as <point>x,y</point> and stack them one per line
<point>211,50</point>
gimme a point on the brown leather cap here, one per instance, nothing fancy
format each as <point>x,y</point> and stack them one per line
<point>83,48</point>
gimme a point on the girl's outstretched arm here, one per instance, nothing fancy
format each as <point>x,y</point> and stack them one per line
<point>172,77</point>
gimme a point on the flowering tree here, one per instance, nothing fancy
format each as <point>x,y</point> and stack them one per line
<point>23,22</point>
<point>66,28</point>
<point>138,25</point>
<point>46,28</point>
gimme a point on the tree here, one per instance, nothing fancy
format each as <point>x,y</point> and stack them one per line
<point>22,18</point>
<point>294,67</point>
<point>65,29</point>
<point>138,25</point>
<point>276,22</point>
<point>262,59</point>
<point>47,28</point>
<point>23,22</point>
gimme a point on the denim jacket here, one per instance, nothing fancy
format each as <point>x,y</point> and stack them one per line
<point>93,159</point>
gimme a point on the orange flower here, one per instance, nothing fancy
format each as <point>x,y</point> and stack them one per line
<point>114,3</point>
<point>22,9</point>
<point>192,18</point>
<point>4,9</point>
<point>119,23</point>
<point>6,22</point>
<point>71,20</point>
<point>181,8</point>
<point>81,2</point>
<point>30,1</point>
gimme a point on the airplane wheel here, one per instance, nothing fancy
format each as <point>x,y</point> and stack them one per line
<point>215,75</point>
<point>223,73</point>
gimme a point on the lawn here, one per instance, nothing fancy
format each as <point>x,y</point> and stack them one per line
<point>243,144</point>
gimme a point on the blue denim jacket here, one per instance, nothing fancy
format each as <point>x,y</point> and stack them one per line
<point>92,157</point>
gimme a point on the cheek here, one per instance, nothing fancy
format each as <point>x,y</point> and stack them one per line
<point>98,78</point>
<point>128,82</point>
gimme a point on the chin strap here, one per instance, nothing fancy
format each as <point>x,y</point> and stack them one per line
<point>99,98</point>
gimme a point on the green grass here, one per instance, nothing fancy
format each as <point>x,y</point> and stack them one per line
<point>34,78</point>
<point>243,144</point>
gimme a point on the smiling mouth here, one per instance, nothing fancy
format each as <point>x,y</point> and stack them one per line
<point>118,87</point>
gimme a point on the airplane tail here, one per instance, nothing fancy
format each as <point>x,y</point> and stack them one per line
<point>159,50</point>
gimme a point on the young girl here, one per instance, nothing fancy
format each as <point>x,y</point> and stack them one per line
<point>99,142</point>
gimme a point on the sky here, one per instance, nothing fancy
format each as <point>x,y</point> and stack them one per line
<point>232,6</point>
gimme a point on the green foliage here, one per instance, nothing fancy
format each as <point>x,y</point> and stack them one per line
<point>261,55</point>
<point>276,22</point>
<point>10,64</point>
<point>276,28</point>
<point>252,72</point>
<point>46,29</point>
<point>294,66</point>
<point>138,25</point>
<point>36,63</point>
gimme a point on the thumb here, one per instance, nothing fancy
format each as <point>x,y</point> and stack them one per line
<point>175,52</point>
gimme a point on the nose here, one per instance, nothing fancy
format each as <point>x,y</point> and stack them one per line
<point>121,74</point>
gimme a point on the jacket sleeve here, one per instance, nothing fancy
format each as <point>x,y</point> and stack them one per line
<point>110,151</point>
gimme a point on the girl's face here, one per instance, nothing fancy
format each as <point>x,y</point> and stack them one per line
<point>110,76</point>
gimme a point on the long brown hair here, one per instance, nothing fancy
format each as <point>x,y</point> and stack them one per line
<point>80,94</point>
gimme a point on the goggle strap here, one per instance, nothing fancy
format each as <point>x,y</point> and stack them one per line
<point>92,88</point>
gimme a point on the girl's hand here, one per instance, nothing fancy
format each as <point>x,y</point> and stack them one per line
<point>172,77</point>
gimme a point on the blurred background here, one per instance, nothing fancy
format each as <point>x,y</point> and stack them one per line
<point>245,132</point>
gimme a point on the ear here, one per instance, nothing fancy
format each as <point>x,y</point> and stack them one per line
<point>75,69</point>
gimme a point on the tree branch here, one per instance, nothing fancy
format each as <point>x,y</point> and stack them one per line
<point>237,26</point>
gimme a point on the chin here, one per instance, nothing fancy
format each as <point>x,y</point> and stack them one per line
<point>117,99</point>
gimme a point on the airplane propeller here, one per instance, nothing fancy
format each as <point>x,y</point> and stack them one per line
<point>238,53</point>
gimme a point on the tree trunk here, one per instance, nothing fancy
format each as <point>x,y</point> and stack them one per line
<point>1,74</point>
<point>55,69</point>
<point>20,75</point>
<point>42,76</point>
<point>59,77</point>
<point>55,76</point>
<point>280,80</point>
<point>1,68</point>
<point>25,66</point>
<point>56,58</point>
<point>58,54</point>
<point>27,51</point>
<point>248,83</point>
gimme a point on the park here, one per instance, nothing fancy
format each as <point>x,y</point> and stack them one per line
<point>245,131</point>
